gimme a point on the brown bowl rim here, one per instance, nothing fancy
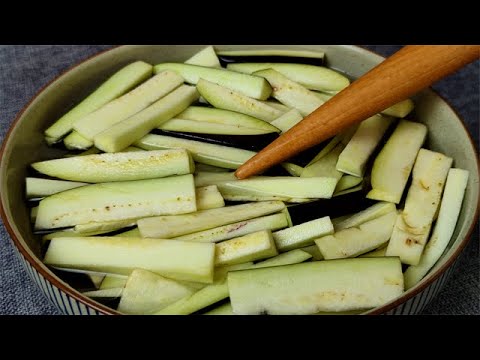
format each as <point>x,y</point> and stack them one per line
<point>54,280</point>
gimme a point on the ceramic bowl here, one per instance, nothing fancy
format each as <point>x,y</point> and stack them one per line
<point>24,145</point>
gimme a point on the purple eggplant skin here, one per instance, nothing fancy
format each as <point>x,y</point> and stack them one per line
<point>228,59</point>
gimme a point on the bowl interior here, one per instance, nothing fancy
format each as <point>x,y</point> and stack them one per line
<point>25,143</point>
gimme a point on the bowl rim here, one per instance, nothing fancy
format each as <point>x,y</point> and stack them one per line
<point>70,291</point>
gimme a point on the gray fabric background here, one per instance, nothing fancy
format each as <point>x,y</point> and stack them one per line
<point>25,69</point>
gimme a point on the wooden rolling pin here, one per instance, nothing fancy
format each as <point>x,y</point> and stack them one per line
<point>406,72</point>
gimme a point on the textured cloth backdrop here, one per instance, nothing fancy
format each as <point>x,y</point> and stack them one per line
<point>25,69</point>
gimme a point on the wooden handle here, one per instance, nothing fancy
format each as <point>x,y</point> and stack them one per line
<point>406,72</point>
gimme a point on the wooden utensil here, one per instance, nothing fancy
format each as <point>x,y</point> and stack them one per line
<point>406,72</point>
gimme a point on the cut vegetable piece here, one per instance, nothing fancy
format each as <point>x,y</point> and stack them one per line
<point>405,244</point>
<point>347,182</point>
<point>308,288</point>
<point>302,235</point>
<point>219,116</point>
<point>343,138</point>
<point>279,106</point>
<point>225,309</point>
<point>314,251</point>
<point>75,141</point>
<point>106,293</point>
<point>216,155</point>
<point>206,57</point>
<point>117,201</point>
<point>354,157</point>
<point>218,291</point>
<point>394,163</point>
<point>146,292</point>
<point>360,187</point>
<point>399,110</point>
<point>38,188</point>
<point>326,166</point>
<point>113,281</point>
<point>206,178</point>
<point>442,232</point>
<point>290,93</point>
<point>96,280</point>
<point>172,226</point>
<point>178,260</point>
<point>428,180</point>
<point>138,165</point>
<point>355,241</point>
<point>285,186</point>
<point>291,54</point>
<point>206,296</point>
<point>245,194</point>
<point>288,120</point>
<point>371,213</point>
<point>291,257</point>
<point>97,227</point>
<point>377,253</point>
<point>226,232</point>
<point>208,197</point>
<point>128,105</point>
<point>293,169</point>
<point>226,99</point>
<point>125,133</point>
<point>248,85</point>
<point>251,247</point>
<point>312,77</point>
<point>200,127</point>
<point>118,84</point>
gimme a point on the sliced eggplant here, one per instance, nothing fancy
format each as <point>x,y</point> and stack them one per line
<point>347,182</point>
<point>210,154</point>
<point>201,127</point>
<point>117,201</point>
<point>112,281</point>
<point>119,167</point>
<point>178,260</point>
<point>128,105</point>
<point>226,99</point>
<point>371,213</point>
<point>354,157</point>
<point>75,141</point>
<point>290,93</point>
<point>39,188</point>
<point>393,165</point>
<point>312,77</point>
<point>205,178</point>
<point>146,292</point>
<point>381,252</point>
<point>252,247</point>
<point>356,241</point>
<point>302,235</point>
<point>205,57</point>
<point>248,85</point>
<point>287,258</point>
<point>230,231</point>
<point>106,293</point>
<point>314,251</point>
<point>293,169</point>
<point>423,198</point>
<point>171,226</point>
<point>288,120</point>
<point>326,166</point>
<point>442,232</point>
<point>225,117</point>
<point>125,133</point>
<point>282,186</point>
<point>277,105</point>
<point>308,288</point>
<point>118,84</point>
<point>399,110</point>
